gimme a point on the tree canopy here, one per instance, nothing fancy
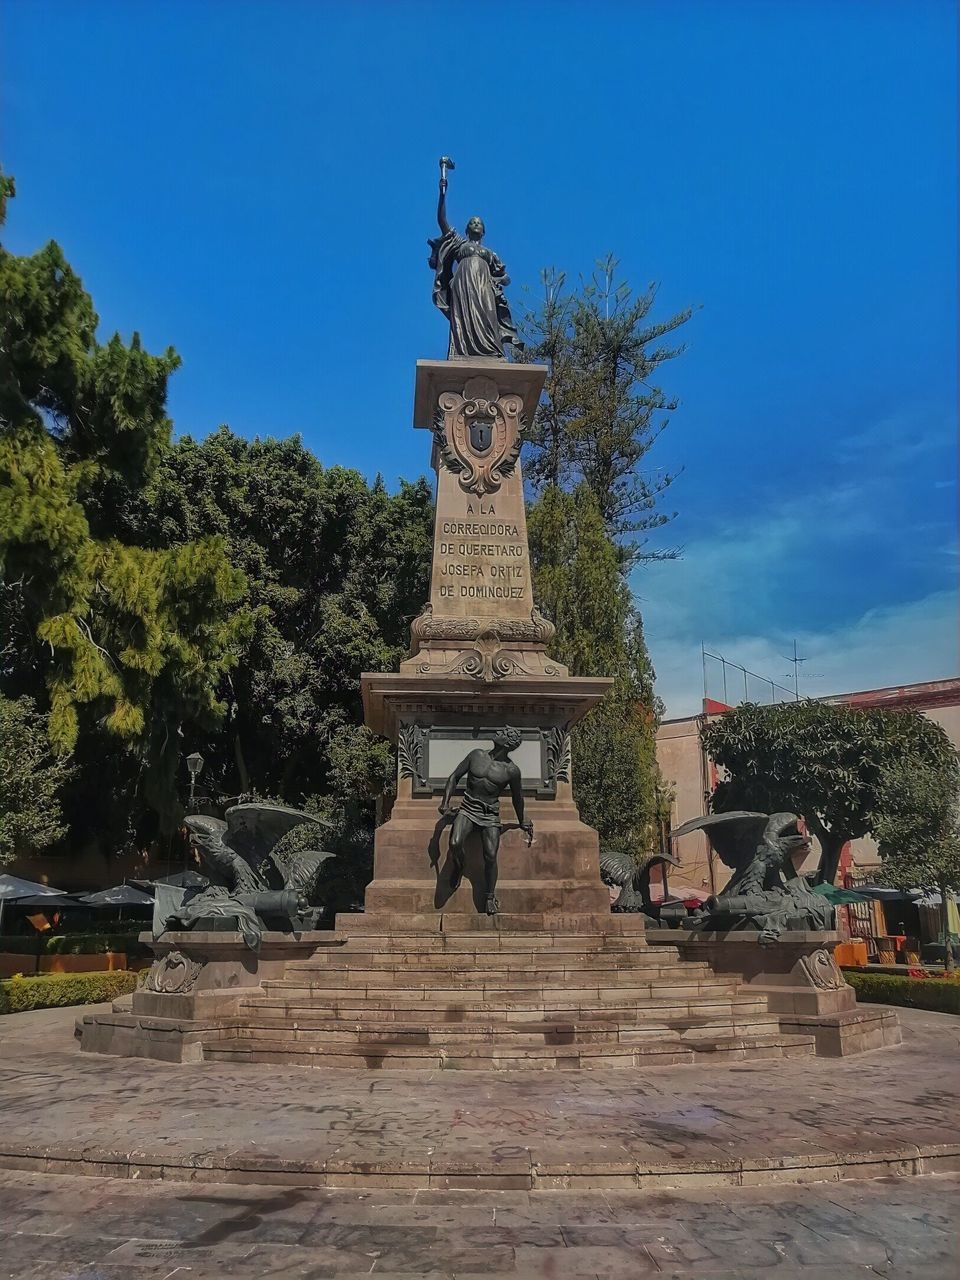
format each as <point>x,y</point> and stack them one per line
<point>917,829</point>
<point>335,570</point>
<point>31,778</point>
<point>837,766</point>
<point>113,638</point>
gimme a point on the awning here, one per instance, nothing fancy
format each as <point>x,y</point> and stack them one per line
<point>12,889</point>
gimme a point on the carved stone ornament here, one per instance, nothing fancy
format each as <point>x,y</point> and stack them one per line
<point>822,970</point>
<point>558,754</point>
<point>478,434</point>
<point>430,626</point>
<point>410,751</point>
<point>173,974</point>
<point>488,661</point>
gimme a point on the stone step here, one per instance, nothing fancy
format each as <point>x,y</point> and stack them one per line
<point>495,1056</point>
<point>319,1030</point>
<point>564,922</point>
<point>534,961</point>
<point>522,979</point>
<point>380,1008</point>
<point>480,989</point>
<point>494,940</point>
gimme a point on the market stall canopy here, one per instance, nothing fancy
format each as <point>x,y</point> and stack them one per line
<point>121,895</point>
<point>13,889</point>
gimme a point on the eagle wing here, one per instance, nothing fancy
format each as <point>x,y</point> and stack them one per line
<point>302,871</point>
<point>617,868</point>
<point>224,866</point>
<point>734,836</point>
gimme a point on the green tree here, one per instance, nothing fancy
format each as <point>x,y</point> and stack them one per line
<point>600,413</point>
<point>31,779</point>
<point>917,828</point>
<point>579,584</point>
<point>829,763</point>
<point>335,570</point>
<point>121,642</point>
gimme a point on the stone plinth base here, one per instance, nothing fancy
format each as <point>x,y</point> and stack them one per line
<point>191,992</point>
<point>558,876</point>
<point>800,980</point>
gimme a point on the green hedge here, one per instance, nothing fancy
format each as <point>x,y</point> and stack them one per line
<point>51,990</point>
<point>941,994</point>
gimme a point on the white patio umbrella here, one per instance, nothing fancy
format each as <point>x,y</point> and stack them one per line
<point>12,888</point>
<point>121,895</point>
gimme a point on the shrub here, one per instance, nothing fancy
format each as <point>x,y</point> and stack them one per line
<point>941,994</point>
<point>50,991</point>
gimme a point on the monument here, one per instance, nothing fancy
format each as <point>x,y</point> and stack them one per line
<point>480,658</point>
<point>487,940</point>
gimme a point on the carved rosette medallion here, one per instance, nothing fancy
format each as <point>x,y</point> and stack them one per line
<point>478,434</point>
<point>173,974</point>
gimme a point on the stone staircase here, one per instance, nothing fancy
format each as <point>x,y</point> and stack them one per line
<point>500,1002</point>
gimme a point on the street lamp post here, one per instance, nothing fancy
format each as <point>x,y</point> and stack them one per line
<point>194,766</point>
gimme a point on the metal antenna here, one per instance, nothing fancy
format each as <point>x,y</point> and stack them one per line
<point>796,660</point>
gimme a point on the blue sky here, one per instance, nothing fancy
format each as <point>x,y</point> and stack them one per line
<point>254,183</point>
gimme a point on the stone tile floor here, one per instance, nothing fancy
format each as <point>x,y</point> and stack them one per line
<point>79,1228</point>
<point>57,1100</point>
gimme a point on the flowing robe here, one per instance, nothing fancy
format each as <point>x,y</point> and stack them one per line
<point>468,288</point>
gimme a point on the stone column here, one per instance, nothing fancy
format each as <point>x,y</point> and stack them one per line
<point>479,660</point>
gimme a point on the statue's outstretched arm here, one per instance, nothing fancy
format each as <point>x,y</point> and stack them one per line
<point>442,222</point>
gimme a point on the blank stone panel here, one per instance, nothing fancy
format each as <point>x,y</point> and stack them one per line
<point>444,754</point>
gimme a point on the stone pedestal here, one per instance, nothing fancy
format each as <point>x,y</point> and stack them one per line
<point>800,981</point>
<point>480,660</point>
<point>191,992</point>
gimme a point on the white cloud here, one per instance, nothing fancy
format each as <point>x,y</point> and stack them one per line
<point>897,644</point>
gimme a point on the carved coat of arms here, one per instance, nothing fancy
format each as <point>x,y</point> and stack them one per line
<point>478,434</point>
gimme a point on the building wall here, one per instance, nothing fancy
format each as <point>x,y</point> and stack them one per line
<point>682,766</point>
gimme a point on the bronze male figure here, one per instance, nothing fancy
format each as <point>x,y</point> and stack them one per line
<point>488,774</point>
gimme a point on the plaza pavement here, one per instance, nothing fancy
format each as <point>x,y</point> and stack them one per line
<point>76,1228</point>
<point>890,1111</point>
<point>167,1136</point>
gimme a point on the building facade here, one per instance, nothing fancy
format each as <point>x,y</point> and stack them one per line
<point>692,776</point>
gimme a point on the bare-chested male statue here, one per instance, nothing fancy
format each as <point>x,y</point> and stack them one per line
<point>488,775</point>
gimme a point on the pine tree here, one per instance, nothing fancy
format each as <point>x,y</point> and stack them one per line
<point>113,637</point>
<point>600,415</point>
<point>579,584</point>
<point>596,506</point>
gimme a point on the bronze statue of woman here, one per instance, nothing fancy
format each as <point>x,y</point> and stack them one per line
<point>468,286</point>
